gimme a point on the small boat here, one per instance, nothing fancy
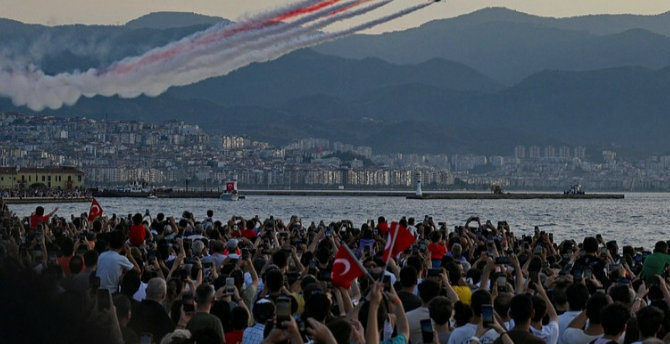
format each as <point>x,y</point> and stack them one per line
<point>230,192</point>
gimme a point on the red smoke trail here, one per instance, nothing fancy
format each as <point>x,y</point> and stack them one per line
<point>167,54</point>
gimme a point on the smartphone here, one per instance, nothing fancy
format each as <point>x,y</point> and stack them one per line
<point>103,299</point>
<point>427,330</point>
<point>230,285</point>
<point>577,274</point>
<point>502,283</point>
<point>433,274</point>
<point>312,264</point>
<point>487,315</point>
<point>502,260</point>
<point>534,277</point>
<point>625,281</point>
<point>323,276</point>
<point>366,250</point>
<point>613,267</point>
<point>283,309</point>
<point>587,273</point>
<point>146,338</point>
<point>245,253</point>
<point>387,282</point>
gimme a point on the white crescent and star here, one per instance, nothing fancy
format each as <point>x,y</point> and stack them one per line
<point>346,264</point>
<point>95,209</point>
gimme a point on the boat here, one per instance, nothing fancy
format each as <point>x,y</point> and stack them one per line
<point>153,195</point>
<point>136,187</point>
<point>575,189</point>
<point>230,192</point>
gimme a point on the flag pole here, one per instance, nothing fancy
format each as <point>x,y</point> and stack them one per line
<point>367,273</point>
<point>395,235</point>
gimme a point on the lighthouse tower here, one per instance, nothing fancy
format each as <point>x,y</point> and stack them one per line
<point>418,185</point>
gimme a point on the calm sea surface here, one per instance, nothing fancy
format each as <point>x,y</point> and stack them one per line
<point>640,219</point>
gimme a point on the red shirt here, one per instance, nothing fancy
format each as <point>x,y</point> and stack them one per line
<point>383,228</point>
<point>249,234</point>
<point>36,220</point>
<point>137,235</point>
<point>234,337</point>
<point>64,263</point>
<point>437,251</point>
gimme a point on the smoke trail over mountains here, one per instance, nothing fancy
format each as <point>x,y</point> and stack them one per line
<point>213,52</point>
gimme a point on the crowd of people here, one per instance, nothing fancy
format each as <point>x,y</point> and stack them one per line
<point>45,192</point>
<point>195,279</point>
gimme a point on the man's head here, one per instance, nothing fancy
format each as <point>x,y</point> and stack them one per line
<point>578,295</point>
<point>122,305</point>
<point>204,295</point>
<point>263,310</point>
<point>198,247</point>
<point>116,240</point>
<point>661,247</point>
<point>649,320</point>
<point>440,309</point>
<point>502,303</point>
<point>539,308</point>
<point>39,211</point>
<point>382,313</point>
<point>274,279</point>
<point>137,219</point>
<point>620,293</point>
<point>456,250</point>
<point>521,308</point>
<point>318,307</point>
<point>593,307</point>
<point>210,213</point>
<point>614,318</point>
<point>341,330</point>
<point>462,313</point>
<point>479,297</point>
<point>280,259</point>
<point>91,259</point>
<point>76,265</point>
<point>156,289</point>
<point>590,245</point>
<point>408,277</point>
<point>428,289</point>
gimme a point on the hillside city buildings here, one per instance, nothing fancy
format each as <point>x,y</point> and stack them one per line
<point>178,154</point>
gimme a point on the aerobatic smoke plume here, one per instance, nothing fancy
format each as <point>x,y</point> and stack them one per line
<point>213,52</point>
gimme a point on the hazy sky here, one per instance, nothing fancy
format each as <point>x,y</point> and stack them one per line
<point>58,12</point>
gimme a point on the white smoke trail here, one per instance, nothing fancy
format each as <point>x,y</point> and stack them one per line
<point>31,87</point>
<point>214,60</point>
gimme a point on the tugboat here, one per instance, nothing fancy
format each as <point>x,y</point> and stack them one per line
<point>230,192</point>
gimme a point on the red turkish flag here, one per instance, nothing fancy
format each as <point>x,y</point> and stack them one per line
<point>95,212</point>
<point>230,187</point>
<point>345,268</point>
<point>400,239</point>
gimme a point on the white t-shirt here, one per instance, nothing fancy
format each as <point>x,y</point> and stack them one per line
<point>414,318</point>
<point>549,332</point>
<point>563,322</point>
<point>462,335</point>
<point>577,336</point>
<point>110,267</point>
<point>141,293</point>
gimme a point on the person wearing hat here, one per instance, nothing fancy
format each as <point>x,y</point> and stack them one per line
<point>263,311</point>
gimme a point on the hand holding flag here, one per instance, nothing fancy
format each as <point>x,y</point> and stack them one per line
<point>95,212</point>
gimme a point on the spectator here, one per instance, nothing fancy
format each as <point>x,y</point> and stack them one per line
<point>614,318</point>
<point>650,322</point>
<point>657,262</point>
<point>577,295</point>
<point>263,311</point>
<point>123,314</point>
<point>521,311</point>
<point>111,263</point>
<point>204,298</point>
<point>408,281</point>
<point>576,333</point>
<point>428,290</point>
<point>149,316</point>
<point>440,310</point>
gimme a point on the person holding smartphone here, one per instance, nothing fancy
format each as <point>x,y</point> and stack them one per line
<point>204,299</point>
<point>549,332</point>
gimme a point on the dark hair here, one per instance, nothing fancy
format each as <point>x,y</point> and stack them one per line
<point>661,246</point>
<point>137,219</point>
<point>479,297</point>
<point>440,310</point>
<point>221,309</point>
<point>578,295</point>
<point>323,255</point>
<point>590,244</point>
<point>620,293</point>
<point>76,264</point>
<point>614,318</point>
<point>205,335</point>
<point>131,283</point>
<point>274,280</point>
<point>341,330</point>
<point>39,211</point>
<point>415,262</point>
<point>540,308</point>
<point>239,318</point>
<point>462,313</point>
<point>318,307</point>
<point>454,273</point>
<point>91,258</point>
<point>116,239</point>
<point>435,236</point>
<point>122,305</point>
<point>66,247</point>
<point>210,212</point>
<point>593,307</point>
<point>521,308</point>
<point>559,295</point>
<point>204,294</point>
<point>428,289</point>
<point>280,259</point>
<point>649,320</point>
<point>408,277</point>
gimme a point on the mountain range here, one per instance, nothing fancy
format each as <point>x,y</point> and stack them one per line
<point>478,83</point>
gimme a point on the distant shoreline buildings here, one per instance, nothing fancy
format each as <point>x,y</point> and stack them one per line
<point>174,154</point>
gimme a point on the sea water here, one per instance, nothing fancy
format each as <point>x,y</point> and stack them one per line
<point>640,219</point>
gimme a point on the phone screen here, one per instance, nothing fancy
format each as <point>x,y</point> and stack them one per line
<point>146,338</point>
<point>502,282</point>
<point>487,315</point>
<point>534,276</point>
<point>587,273</point>
<point>283,309</point>
<point>387,283</point>
<point>427,330</point>
<point>230,285</point>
